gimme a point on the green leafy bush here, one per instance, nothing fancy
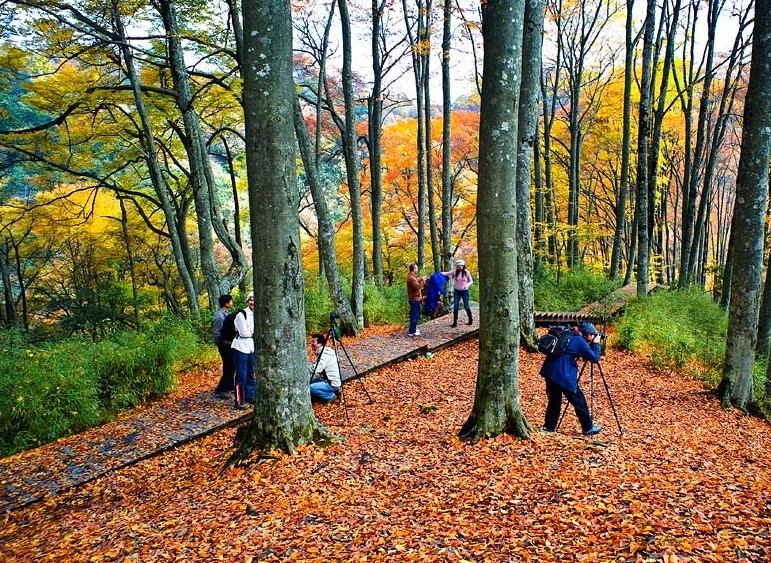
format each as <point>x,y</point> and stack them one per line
<point>386,306</point>
<point>676,328</point>
<point>56,389</point>
<point>571,291</point>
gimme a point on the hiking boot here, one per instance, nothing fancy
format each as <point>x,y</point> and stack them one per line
<point>595,429</point>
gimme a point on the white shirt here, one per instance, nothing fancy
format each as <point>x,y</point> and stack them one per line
<point>328,364</point>
<point>244,342</point>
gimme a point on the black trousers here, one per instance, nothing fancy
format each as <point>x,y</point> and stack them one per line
<point>227,383</point>
<point>555,393</point>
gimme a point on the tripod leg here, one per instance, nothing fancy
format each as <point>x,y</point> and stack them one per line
<point>610,399</point>
<point>355,372</point>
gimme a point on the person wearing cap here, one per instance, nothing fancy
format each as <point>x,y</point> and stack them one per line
<point>561,375</point>
<point>243,355</point>
<point>463,281</point>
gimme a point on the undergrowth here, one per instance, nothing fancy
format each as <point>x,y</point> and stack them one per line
<point>56,389</point>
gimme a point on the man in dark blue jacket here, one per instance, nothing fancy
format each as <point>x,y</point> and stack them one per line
<point>561,374</point>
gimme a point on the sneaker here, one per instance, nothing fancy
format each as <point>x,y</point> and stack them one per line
<point>595,429</point>
<point>412,334</point>
<point>241,407</point>
<point>417,332</point>
<point>544,429</point>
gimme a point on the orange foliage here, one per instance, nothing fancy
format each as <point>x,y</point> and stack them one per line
<point>686,482</point>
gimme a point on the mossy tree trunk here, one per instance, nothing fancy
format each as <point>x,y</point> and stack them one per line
<point>283,416</point>
<point>496,402</point>
<point>747,227</point>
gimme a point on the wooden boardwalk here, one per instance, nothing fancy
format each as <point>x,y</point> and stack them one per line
<point>28,477</point>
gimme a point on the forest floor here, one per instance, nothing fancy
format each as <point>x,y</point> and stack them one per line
<point>684,482</point>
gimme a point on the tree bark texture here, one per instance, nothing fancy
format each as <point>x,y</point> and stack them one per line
<point>283,416</point>
<point>747,228</point>
<point>528,120</point>
<point>496,401</point>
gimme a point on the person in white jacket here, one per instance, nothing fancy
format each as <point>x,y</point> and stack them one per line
<point>325,371</point>
<point>243,355</point>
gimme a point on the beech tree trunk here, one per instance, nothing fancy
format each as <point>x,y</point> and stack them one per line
<point>283,417</point>
<point>446,140</point>
<point>527,128</point>
<point>496,400</point>
<point>156,176</point>
<point>326,228</point>
<point>747,229</point>
<point>643,135</point>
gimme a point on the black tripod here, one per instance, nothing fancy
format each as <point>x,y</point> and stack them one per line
<point>333,335</point>
<point>591,393</point>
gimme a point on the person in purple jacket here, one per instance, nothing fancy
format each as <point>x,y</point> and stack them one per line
<point>561,374</point>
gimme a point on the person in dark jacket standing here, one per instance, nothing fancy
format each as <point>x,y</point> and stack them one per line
<point>561,374</point>
<point>414,284</point>
<point>226,385</point>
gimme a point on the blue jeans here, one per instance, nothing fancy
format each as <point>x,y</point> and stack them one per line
<point>246,385</point>
<point>457,296</point>
<point>554,392</point>
<point>322,392</point>
<point>414,316</point>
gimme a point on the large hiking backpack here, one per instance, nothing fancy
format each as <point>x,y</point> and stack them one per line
<point>556,340</point>
<point>228,332</point>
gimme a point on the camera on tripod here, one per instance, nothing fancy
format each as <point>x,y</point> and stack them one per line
<point>334,316</point>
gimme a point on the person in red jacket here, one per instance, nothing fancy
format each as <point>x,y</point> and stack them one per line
<point>414,285</point>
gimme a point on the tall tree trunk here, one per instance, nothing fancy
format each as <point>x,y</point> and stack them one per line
<point>527,130</point>
<point>156,176</point>
<point>352,170</point>
<point>416,36</point>
<point>747,228</point>
<point>375,145</point>
<point>326,228</point>
<point>446,140</point>
<point>192,140</point>
<point>643,136</point>
<point>283,417</point>
<point>130,261</point>
<point>626,141</point>
<point>496,400</point>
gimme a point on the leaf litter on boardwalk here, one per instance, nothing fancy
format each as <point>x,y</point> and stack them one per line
<point>685,480</point>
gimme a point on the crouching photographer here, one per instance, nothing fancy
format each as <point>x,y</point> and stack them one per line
<point>325,371</point>
<point>561,375</point>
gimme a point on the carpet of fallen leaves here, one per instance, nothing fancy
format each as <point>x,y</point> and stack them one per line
<point>684,482</point>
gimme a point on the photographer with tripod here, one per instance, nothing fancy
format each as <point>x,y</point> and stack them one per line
<point>561,374</point>
<point>325,372</point>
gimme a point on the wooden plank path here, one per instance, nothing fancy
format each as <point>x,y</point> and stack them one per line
<point>28,477</point>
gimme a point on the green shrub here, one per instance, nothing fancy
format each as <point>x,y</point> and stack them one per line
<point>675,328</point>
<point>386,306</point>
<point>56,389</point>
<point>571,292</point>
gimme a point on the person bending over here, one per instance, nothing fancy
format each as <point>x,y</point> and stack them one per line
<point>325,371</point>
<point>561,374</point>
